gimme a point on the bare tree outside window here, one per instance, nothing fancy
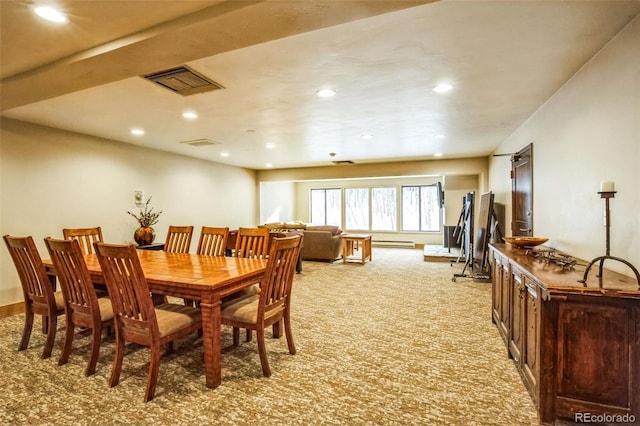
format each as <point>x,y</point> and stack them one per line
<point>356,202</point>
<point>326,206</point>
<point>420,209</point>
<point>383,209</point>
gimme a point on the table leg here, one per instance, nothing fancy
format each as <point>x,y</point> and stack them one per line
<point>211,340</point>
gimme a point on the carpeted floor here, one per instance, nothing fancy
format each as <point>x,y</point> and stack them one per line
<point>392,342</point>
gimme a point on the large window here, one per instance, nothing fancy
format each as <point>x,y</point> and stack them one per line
<point>326,206</point>
<point>378,208</point>
<point>356,205</point>
<point>420,208</point>
<point>383,209</point>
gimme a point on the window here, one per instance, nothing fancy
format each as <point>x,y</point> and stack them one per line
<point>356,202</point>
<point>326,207</point>
<point>383,209</point>
<point>420,208</point>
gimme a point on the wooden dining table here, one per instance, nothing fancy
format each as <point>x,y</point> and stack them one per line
<point>191,276</point>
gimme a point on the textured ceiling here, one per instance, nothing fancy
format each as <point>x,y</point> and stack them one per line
<point>505,59</point>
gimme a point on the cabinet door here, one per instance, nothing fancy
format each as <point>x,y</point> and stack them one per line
<point>530,351</point>
<point>501,296</point>
<point>516,316</point>
<point>496,289</point>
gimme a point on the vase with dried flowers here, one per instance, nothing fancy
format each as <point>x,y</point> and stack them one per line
<point>145,234</point>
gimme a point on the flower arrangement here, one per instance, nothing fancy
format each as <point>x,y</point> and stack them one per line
<point>147,217</point>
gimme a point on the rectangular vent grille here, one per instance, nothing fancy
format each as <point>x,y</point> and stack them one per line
<point>201,142</point>
<point>183,80</point>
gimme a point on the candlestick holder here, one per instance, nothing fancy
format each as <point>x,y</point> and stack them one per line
<point>607,195</point>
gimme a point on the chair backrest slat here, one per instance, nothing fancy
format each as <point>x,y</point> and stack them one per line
<point>33,276</point>
<point>85,236</point>
<point>178,239</point>
<point>252,242</point>
<point>213,241</point>
<point>128,288</point>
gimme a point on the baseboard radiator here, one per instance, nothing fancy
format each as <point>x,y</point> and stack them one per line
<point>388,243</point>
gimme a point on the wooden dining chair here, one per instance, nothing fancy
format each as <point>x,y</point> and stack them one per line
<point>85,236</point>
<point>83,307</point>
<point>137,320</point>
<point>178,239</point>
<point>39,297</point>
<point>252,242</point>
<point>272,304</point>
<point>212,241</point>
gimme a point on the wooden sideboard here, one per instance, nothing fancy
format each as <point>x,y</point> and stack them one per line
<point>577,347</point>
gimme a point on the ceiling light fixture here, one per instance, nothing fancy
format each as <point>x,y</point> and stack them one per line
<point>269,166</point>
<point>137,132</point>
<point>189,115</point>
<point>366,136</point>
<point>439,136</point>
<point>326,93</point>
<point>224,154</point>
<point>443,88</point>
<point>51,14</point>
<point>270,145</point>
<point>437,154</point>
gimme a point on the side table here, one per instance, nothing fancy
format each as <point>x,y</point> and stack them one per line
<point>356,241</point>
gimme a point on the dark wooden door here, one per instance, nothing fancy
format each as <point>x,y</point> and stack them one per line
<point>522,192</point>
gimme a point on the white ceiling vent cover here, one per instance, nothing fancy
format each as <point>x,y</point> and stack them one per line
<point>201,142</point>
<point>183,80</point>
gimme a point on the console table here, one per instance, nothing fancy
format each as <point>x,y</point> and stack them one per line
<point>577,347</point>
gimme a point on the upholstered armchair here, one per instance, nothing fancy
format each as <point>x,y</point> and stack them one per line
<point>322,243</point>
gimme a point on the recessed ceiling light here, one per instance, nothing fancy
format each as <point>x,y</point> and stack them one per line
<point>366,136</point>
<point>326,93</point>
<point>137,132</point>
<point>269,166</point>
<point>437,154</point>
<point>270,145</point>
<point>442,88</point>
<point>224,154</point>
<point>439,136</point>
<point>189,115</point>
<point>51,14</point>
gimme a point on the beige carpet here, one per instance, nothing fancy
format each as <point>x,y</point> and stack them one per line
<point>393,342</point>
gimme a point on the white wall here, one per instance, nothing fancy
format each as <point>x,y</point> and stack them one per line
<point>587,132</point>
<point>276,202</point>
<point>51,179</point>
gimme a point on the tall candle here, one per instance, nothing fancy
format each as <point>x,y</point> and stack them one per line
<point>607,186</point>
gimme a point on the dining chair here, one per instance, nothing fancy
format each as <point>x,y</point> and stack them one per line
<point>252,242</point>
<point>85,236</point>
<point>39,297</point>
<point>137,320</point>
<point>212,241</point>
<point>178,239</point>
<point>83,307</point>
<point>272,304</point>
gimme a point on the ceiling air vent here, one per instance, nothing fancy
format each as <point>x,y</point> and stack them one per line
<point>342,162</point>
<point>183,80</point>
<point>201,142</point>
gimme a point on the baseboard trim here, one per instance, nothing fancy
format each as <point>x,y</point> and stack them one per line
<point>11,310</point>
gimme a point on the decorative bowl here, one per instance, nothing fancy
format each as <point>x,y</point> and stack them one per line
<point>522,242</point>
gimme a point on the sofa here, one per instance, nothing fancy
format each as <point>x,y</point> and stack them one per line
<point>322,243</point>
